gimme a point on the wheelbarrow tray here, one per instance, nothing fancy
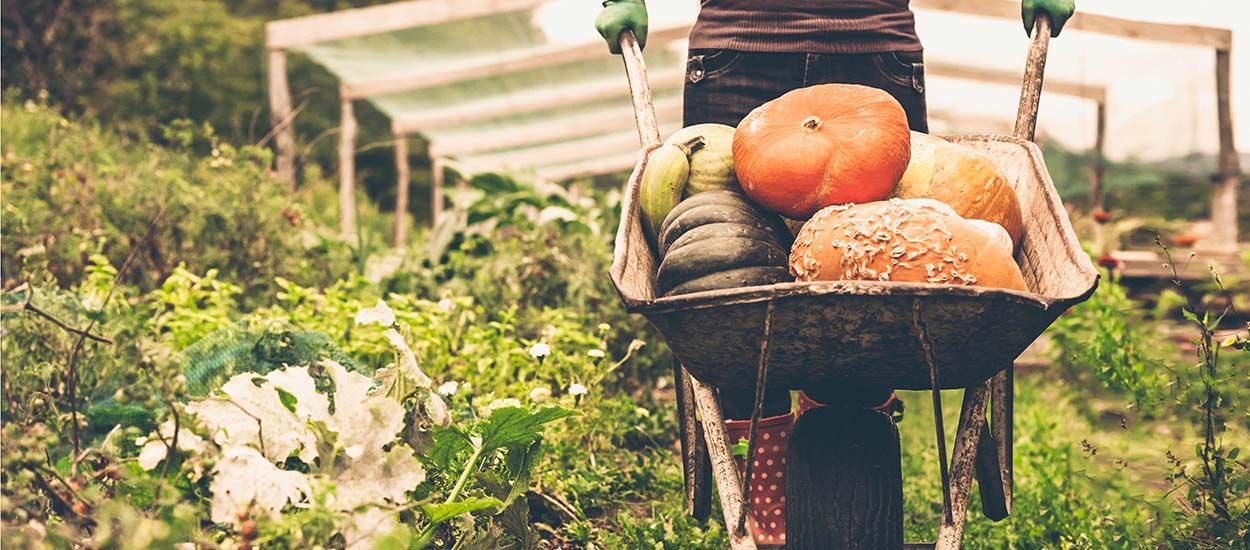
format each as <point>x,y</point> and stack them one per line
<point>864,332</point>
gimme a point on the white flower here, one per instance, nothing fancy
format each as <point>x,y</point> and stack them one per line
<point>540,394</point>
<point>500,404</point>
<point>446,305</point>
<point>449,389</point>
<point>604,327</point>
<point>596,353</point>
<point>380,314</point>
<point>577,390</point>
<point>355,451</point>
<point>540,350</point>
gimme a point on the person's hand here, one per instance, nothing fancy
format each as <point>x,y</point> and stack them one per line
<point>1059,10</point>
<point>618,15</point>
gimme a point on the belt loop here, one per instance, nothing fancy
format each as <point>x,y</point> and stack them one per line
<point>694,69</point>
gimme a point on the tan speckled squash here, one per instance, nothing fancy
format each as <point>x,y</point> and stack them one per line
<point>916,240</point>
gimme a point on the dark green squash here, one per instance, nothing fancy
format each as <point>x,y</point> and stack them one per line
<point>718,239</point>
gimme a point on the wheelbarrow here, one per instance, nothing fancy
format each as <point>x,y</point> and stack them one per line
<point>844,485</point>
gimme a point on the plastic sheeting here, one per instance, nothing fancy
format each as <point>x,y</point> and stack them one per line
<point>552,117</point>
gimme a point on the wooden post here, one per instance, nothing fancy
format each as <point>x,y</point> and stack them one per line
<point>1224,195</point>
<point>347,168</point>
<point>438,170</point>
<point>280,118</point>
<point>402,182</point>
<point>1097,194</point>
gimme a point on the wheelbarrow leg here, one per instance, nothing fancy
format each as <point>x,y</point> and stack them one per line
<point>694,457</point>
<point>724,468</point>
<point>845,482</point>
<point>993,463</point>
<point>971,420</point>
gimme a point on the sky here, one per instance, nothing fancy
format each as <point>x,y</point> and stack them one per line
<point>1161,97</point>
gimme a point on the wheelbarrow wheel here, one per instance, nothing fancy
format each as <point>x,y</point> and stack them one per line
<point>845,481</point>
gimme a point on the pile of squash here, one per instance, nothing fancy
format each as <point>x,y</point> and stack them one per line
<point>826,183</point>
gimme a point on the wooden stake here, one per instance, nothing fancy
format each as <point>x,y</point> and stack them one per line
<point>1097,198</point>
<point>438,169</point>
<point>402,182</point>
<point>347,169</point>
<point>1224,196</point>
<point>280,118</point>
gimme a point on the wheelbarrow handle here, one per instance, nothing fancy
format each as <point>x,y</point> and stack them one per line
<point>640,90</point>
<point>1034,69</point>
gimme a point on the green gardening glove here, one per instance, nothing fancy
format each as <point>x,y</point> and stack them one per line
<point>618,15</point>
<point>1059,10</point>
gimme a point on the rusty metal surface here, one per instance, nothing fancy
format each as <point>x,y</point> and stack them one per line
<point>852,332</point>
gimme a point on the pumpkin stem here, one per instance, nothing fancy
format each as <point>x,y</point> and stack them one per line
<point>812,122</point>
<point>691,145</point>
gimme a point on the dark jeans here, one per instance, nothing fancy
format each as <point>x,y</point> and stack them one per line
<point>722,86</point>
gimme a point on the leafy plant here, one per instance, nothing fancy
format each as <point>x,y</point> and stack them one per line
<point>1108,336</point>
<point>1216,502</point>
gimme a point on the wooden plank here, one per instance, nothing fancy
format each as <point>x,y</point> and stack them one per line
<point>527,101</point>
<point>1224,195</point>
<point>507,137</point>
<point>1149,264</point>
<point>310,29</point>
<point>724,468</point>
<point>971,417</point>
<point>508,62</point>
<point>1013,78</point>
<point>281,119</point>
<point>402,183</point>
<point>347,168</point>
<point>1172,33</point>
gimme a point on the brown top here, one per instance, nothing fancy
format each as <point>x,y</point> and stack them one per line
<point>806,26</point>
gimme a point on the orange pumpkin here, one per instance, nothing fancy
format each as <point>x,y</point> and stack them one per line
<point>916,240</point>
<point>822,145</point>
<point>965,179</point>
